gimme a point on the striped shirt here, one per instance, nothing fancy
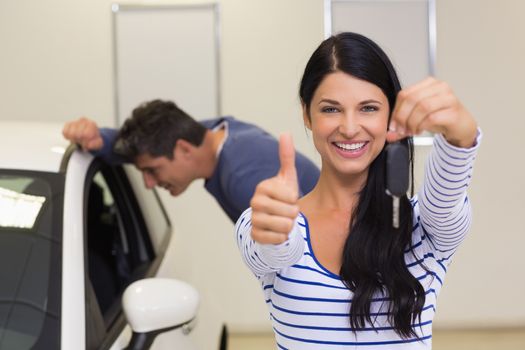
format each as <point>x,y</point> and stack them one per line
<point>309,305</point>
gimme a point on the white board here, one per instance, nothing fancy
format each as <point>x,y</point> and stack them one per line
<point>167,52</point>
<point>405,30</point>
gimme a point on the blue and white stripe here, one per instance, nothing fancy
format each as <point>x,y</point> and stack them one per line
<point>309,305</point>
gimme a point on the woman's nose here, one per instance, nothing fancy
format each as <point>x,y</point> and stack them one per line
<point>349,126</point>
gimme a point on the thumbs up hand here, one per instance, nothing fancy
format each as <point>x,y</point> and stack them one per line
<point>274,203</point>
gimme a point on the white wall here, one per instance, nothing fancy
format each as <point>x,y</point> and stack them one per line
<point>56,64</point>
<point>481,52</point>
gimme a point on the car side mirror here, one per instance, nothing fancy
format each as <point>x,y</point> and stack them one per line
<point>156,305</point>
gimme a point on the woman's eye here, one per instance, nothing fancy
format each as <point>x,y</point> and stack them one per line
<point>329,110</point>
<point>369,109</point>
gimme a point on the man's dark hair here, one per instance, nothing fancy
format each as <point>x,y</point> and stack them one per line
<point>154,128</point>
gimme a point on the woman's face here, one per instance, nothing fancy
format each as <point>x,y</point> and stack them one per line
<point>348,119</point>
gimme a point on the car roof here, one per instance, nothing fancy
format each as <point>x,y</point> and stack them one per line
<point>32,145</point>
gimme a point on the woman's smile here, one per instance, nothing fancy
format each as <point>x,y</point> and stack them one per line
<point>347,149</point>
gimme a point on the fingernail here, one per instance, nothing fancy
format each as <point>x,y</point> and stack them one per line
<point>392,126</point>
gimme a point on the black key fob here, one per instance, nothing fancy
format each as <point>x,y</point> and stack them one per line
<point>397,169</point>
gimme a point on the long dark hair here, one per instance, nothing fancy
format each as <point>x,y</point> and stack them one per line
<point>374,252</point>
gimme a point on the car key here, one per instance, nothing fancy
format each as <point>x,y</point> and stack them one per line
<point>397,176</point>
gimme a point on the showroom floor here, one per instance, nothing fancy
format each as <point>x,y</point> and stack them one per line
<point>511,339</point>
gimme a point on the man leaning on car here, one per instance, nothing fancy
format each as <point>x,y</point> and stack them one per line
<point>172,149</point>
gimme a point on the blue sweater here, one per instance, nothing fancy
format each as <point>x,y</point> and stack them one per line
<point>248,156</point>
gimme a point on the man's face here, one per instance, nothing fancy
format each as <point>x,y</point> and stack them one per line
<point>174,175</point>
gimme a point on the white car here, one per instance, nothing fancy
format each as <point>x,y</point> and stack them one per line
<point>74,234</point>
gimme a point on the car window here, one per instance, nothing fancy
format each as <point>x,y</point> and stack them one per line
<point>155,216</point>
<point>106,245</point>
<point>118,248</point>
<point>30,259</point>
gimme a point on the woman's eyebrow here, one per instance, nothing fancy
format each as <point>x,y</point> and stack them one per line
<point>370,101</point>
<point>334,102</point>
<point>327,100</point>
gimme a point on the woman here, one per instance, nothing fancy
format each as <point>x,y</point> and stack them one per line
<point>334,271</point>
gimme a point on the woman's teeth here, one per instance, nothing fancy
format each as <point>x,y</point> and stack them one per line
<point>350,146</point>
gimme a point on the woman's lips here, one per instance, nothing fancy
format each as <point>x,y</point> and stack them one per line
<point>350,149</point>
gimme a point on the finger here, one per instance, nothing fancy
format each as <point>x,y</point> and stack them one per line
<point>271,206</point>
<point>70,129</point>
<point>435,122</point>
<point>90,136</point>
<point>410,90</point>
<point>287,171</point>
<point>95,143</point>
<point>427,107</point>
<point>393,136</point>
<point>72,133</point>
<point>456,124</point>
<point>66,131</point>
<point>75,130</point>
<point>276,189</point>
<point>428,81</point>
<point>406,101</point>
<point>83,132</point>
<point>83,135</point>
<point>272,223</point>
<point>268,237</point>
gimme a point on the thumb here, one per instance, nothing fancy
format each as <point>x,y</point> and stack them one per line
<point>287,172</point>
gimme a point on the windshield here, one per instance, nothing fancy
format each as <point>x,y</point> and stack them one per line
<point>30,259</point>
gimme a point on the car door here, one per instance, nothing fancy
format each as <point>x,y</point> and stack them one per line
<point>117,251</point>
<point>126,237</point>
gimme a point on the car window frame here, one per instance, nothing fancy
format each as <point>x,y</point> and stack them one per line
<point>160,247</point>
<point>124,196</point>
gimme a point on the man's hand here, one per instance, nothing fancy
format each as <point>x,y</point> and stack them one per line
<point>84,132</point>
<point>274,203</point>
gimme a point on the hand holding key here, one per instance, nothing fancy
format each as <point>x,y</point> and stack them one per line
<point>274,203</point>
<point>431,105</point>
